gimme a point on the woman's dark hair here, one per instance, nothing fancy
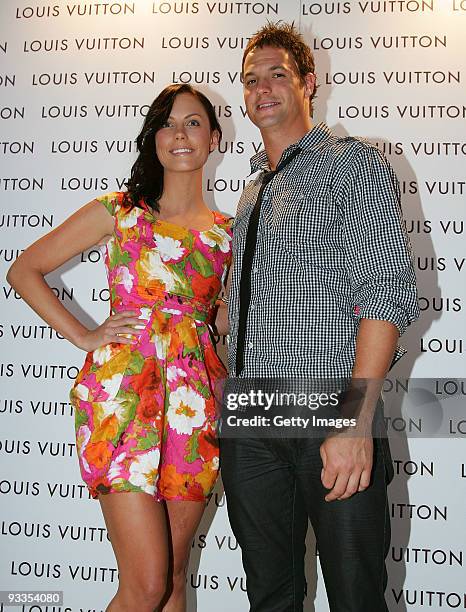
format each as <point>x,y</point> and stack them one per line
<point>146,181</point>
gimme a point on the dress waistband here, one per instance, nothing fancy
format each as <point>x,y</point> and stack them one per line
<point>168,303</point>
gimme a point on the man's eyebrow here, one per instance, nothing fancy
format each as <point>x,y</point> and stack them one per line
<point>276,67</point>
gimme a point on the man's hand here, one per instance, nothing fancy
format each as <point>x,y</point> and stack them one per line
<point>347,465</point>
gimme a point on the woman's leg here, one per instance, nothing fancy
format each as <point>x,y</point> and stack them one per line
<point>184,518</point>
<point>137,527</point>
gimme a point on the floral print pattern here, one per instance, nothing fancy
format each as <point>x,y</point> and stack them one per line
<point>145,413</point>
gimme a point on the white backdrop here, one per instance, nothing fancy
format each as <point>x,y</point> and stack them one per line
<point>75,82</point>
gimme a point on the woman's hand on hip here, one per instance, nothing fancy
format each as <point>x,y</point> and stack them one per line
<point>120,327</point>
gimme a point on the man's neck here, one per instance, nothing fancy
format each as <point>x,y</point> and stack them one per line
<point>277,140</point>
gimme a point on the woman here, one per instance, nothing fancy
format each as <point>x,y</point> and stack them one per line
<point>144,399</point>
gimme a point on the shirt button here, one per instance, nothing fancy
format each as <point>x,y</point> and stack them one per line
<point>250,344</point>
<point>252,307</point>
<point>254,270</point>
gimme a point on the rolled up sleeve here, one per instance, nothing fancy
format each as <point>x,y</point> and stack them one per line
<point>377,249</point>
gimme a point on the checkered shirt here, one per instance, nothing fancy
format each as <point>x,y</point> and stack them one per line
<point>331,250</point>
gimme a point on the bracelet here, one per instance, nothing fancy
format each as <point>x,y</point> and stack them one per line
<point>224,299</point>
<point>215,335</point>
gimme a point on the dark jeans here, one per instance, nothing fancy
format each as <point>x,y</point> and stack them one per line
<point>273,486</point>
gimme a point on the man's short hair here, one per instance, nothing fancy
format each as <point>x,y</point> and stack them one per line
<point>284,36</point>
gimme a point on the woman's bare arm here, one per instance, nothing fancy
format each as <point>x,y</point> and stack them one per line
<point>90,225</point>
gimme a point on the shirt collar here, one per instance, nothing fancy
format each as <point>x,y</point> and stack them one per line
<point>310,140</point>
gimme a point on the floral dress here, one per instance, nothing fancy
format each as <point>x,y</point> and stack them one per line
<point>145,412</point>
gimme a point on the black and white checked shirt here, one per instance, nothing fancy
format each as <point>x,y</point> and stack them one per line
<point>331,249</point>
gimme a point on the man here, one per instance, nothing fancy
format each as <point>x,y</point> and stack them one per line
<point>322,287</point>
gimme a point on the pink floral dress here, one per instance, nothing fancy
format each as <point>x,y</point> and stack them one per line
<point>145,413</point>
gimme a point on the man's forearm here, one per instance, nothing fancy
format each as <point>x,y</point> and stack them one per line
<point>375,345</point>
